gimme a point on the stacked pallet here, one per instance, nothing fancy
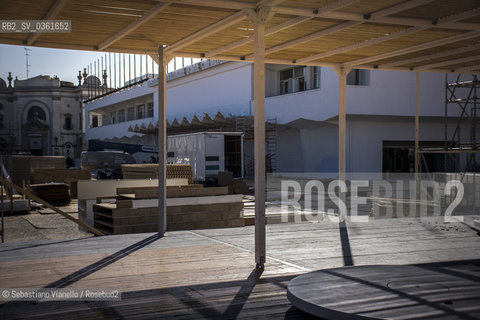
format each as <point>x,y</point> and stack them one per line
<point>54,193</point>
<point>150,171</point>
<point>190,207</point>
<point>180,171</point>
<point>23,167</point>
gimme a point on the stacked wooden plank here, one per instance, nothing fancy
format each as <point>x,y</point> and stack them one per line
<point>188,207</point>
<point>68,176</point>
<point>60,175</point>
<point>53,193</point>
<point>150,171</point>
<point>140,171</point>
<point>23,167</point>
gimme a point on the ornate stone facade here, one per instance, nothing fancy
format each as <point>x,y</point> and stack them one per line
<point>41,115</point>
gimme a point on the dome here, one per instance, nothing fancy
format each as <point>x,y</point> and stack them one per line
<point>93,81</point>
<point>3,84</point>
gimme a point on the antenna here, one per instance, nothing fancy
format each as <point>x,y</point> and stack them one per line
<point>26,58</point>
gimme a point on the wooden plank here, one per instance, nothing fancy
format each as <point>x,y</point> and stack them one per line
<point>183,192</point>
<point>124,203</point>
<point>204,200</point>
<point>123,190</point>
<point>60,175</point>
<point>217,207</point>
<point>92,189</point>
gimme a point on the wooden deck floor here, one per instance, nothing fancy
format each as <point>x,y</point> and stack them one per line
<point>210,273</point>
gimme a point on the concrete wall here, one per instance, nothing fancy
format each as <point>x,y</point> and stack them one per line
<point>364,140</point>
<point>226,88</point>
<point>308,150</point>
<point>389,93</point>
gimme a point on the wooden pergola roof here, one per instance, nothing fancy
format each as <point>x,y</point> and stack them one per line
<point>415,35</point>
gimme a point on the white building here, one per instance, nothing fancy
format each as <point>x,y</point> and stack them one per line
<point>303,102</point>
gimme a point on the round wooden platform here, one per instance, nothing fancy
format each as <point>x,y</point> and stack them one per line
<point>389,292</point>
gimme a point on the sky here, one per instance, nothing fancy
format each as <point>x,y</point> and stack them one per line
<point>63,63</point>
<point>57,62</point>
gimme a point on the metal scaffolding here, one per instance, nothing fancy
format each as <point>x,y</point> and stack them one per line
<point>461,104</point>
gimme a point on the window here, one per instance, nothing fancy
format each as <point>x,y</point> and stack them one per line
<point>141,111</point>
<point>36,113</point>
<point>150,110</point>
<point>94,121</point>
<point>113,117</point>
<point>68,122</point>
<point>292,80</point>
<point>131,114</point>
<point>358,77</point>
<point>121,115</point>
<point>316,77</point>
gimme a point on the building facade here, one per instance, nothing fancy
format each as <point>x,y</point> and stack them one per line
<point>41,116</point>
<point>302,102</point>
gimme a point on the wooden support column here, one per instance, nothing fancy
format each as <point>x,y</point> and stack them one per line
<point>2,217</point>
<point>259,17</point>
<point>162,142</point>
<point>342,120</point>
<point>342,72</point>
<point>417,134</point>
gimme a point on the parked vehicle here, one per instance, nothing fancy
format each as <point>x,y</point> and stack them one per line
<point>208,153</point>
<point>105,164</point>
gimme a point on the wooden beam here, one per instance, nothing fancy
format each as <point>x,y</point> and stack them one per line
<point>268,3</point>
<point>397,34</point>
<point>48,205</point>
<point>280,27</point>
<point>52,13</point>
<point>211,29</point>
<point>277,28</point>
<point>394,35</point>
<point>337,15</point>
<point>134,25</point>
<point>243,59</point>
<point>475,69</point>
<point>162,142</point>
<point>408,69</point>
<point>310,37</point>
<point>448,63</point>
<point>154,58</point>
<point>431,56</point>
<point>360,45</point>
<point>398,8</point>
<point>403,21</point>
<point>423,46</point>
<point>225,4</point>
<point>346,25</point>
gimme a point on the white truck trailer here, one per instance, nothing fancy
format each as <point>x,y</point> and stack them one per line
<point>208,153</point>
